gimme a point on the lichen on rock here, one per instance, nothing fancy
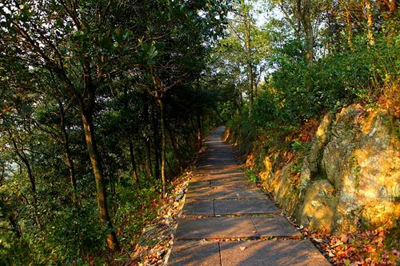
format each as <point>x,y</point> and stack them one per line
<point>361,161</point>
<point>318,208</point>
<point>311,164</point>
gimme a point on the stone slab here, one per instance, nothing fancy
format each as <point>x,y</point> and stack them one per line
<point>244,207</point>
<point>198,208</point>
<point>215,228</point>
<point>224,178</point>
<point>271,253</point>
<point>274,226</point>
<point>186,253</point>
<point>218,169</point>
<point>249,193</point>
<point>222,157</point>
<point>206,173</point>
<point>224,193</point>
<point>197,184</point>
<point>231,183</point>
<point>202,193</point>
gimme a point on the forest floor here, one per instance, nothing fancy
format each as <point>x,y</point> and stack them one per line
<point>156,238</point>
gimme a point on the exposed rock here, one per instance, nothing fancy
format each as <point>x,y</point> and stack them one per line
<point>285,190</point>
<point>362,162</point>
<point>311,163</point>
<point>376,171</point>
<point>317,211</point>
<point>342,144</point>
<point>306,175</point>
<point>322,136</point>
<point>266,175</point>
<point>355,159</point>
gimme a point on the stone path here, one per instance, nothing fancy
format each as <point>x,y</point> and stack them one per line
<point>228,221</point>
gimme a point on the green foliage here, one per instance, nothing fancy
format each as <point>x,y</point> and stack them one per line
<point>114,69</point>
<point>252,175</point>
<point>14,250</point>
<point>300,147</point>
<point>294,93</point>
<point>298,165</point>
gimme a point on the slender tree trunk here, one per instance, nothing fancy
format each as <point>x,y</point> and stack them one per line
<point>135,175</point>
<point>349,27</point>
<point>148,165</point>
<point>309,44</point>
<point>163,146</point>
<point>255,84</point>
<point>392,6</point>
<point>25,161</point>
<point>157,156</point>
<point>147,148</point>
<point>249,60</point>
<point>14,225</point>
<point>240,100</point>
<point>31,177</point>
<point>3,170</point>
<point>175,145</point>
<point>298,17</point>
<point>199,129</point>
<point>68,156</point>
<point>370,33</point>
<point>308,31</point>
<point>113,195</point>
<point>99,178</point>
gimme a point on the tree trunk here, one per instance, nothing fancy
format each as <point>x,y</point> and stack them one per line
<point>97,169</point>
<point>157,158</point>
<point>147,163</point>
<point>309,44</point>
<point>14,225</point>
<point>392,6</point>
<point>113,195</point>
<point>25,161</point>
<point>249,60</point>
<point>308,31</point>
<point>370,33</point>
<point>69,161</point>
<point>163,146</point>
<point>349,27</point>
<point>135,175</point>
<point>199,129</point>
<point>31,177</point>
<point>175,146</point>
<point>298,17</point>
<point>147,148</point>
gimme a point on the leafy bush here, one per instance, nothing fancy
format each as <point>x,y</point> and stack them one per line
<point>252,175</point>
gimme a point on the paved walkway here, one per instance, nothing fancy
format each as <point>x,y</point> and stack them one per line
<point>228,221</point>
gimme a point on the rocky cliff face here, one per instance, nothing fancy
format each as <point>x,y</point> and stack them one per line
<point>350,177</point>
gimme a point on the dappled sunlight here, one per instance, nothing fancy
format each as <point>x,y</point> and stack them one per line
<point>272,252</point>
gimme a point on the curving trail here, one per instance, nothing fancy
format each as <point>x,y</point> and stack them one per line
<point>228,221</point>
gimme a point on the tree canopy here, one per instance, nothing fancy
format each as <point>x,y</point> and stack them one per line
<point>100,105</point>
